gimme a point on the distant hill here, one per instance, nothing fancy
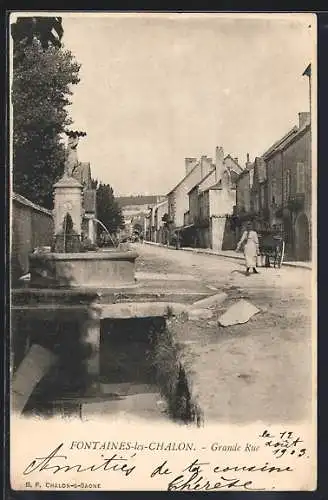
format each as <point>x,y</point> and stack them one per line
<point>124,201</point>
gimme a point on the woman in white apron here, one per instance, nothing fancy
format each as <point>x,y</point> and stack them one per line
<point>251,248</point>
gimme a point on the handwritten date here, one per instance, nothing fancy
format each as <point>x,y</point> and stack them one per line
<point>285,443</point>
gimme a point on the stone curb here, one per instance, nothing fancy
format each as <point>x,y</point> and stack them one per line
<point>210,301</point>
<point>304,265</point>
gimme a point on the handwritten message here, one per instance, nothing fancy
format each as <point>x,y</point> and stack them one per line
<point>254,465</point>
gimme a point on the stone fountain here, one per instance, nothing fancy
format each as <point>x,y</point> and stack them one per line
<point>68,265</point>
<point>60,310</point>
<point>56,320</point>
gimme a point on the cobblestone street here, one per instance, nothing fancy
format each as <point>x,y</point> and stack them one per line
<point>260,370</point>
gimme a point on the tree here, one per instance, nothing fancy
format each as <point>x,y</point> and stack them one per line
<point>108,210</point>
<point>42,78</point>
<point>48,30</point>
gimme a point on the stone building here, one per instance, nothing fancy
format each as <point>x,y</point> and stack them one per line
<point>244,184</point>
<point>296,191</point>
<point>210,202</point>
<point>159,217</point>
<point>136,211</point>
<point>31,226</point>
<point>276,190</point>
<point>178,199</point>
<point>288,165</point>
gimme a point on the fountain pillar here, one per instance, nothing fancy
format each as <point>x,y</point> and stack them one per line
<point>91,337</point>
<point>68,199</point>
<point>91,230</point>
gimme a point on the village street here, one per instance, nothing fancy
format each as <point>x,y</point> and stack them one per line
<point>260,370</point>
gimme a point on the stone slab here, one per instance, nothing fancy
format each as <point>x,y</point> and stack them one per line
<point>142,309</point>
<point>213,300</point>
<point>30,372</point>
<point>198,314</point>
<point>238,313</point>
<point>142,276</point>
<point>126,388</point>
<point>145,288</point>
<point>139,405</point>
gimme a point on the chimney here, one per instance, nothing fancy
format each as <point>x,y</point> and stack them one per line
<point>236,159</point>
<point>219,166</point>
<point>189,164</point>
<point>303,119</point>
<point>203,164</point>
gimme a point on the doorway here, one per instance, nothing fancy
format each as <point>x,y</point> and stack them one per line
<point>302,238</point>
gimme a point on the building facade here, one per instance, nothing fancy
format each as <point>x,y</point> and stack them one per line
<point>178,199</point>
<point>159,219</point>
<point>210,202</point>
<point>296,189</point>
<point>137,213</point>
<point>275,191</point>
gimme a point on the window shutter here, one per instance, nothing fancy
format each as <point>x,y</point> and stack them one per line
<point>300,178</point>
<point>273,191</point>
<point>287,185</point>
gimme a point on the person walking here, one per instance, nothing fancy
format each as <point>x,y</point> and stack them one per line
<point>250,241</point>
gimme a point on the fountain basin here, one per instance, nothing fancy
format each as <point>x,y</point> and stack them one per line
<point>94,269</point>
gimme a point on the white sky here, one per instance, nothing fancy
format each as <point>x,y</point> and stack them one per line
<point>157,88</point>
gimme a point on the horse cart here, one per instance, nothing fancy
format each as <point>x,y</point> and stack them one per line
<point>272,248</point>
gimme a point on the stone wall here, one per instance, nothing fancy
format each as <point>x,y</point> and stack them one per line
<point>31,226</point>
<point>179,199</point>
<point>299,153</point>
<point>243,194</point>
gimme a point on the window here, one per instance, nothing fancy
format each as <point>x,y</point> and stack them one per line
<point>251,178</point>
<point>287,185</point>
<point>273,191</point>
<point>262,192</point>
<point>300,179</point>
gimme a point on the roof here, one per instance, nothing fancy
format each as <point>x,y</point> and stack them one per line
<point>285,141</point>
<point>300,132</point>
<point>234,176</point>
<point>215,187</point>
<point>24,201</point>
<point>125,201</point>
<point>185,177</point>
<point>161,203</point>
<point>218,185</point>
<point>276,146</point>
<point>201,181</point>
<point>235,162</point>
<point>193,188</point>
